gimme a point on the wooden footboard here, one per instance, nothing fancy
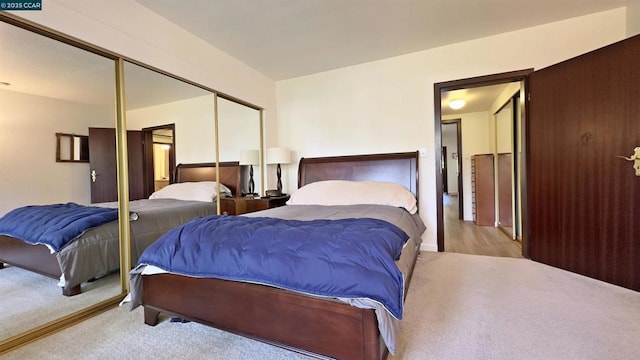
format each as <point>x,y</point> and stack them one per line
<point>282,318</point>
<point>36,258</point>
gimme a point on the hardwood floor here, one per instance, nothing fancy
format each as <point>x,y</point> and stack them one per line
<point>467,238</point>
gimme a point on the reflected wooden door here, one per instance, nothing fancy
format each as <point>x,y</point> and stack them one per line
<point>102,160</point>
<point>584,201</point>
<point>103,170</point>
<point>135,156</point>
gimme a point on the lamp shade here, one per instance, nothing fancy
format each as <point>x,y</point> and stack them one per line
<point>278,155</point>
<point>249,157</point>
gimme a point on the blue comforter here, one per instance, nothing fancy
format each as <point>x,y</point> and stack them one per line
<point>348,258</point>
<point>54,225</point>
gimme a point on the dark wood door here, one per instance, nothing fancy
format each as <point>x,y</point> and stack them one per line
<point>584,201</point>
<point>103,163</point>
<point>135,152</point>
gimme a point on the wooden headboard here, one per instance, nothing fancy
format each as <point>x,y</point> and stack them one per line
<point>400,168</point>
<point>229,174</point>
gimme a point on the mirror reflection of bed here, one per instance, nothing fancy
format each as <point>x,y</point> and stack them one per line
<point>40,102</point>
<point>71,98</point>
<point>91,261</point>
<point>155,102</point>
<point>240,130</point>
<point>345,327</point>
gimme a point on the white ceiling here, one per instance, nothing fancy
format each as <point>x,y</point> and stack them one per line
<point>477,99</point>
<point>290,38</point>
<point>282,39</point>
<point>37,65</point>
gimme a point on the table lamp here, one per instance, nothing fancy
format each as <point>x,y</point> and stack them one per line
<point>250,157</point>
<point>278,155</point>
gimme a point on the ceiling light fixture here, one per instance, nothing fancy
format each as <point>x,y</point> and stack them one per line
<point>456,104</point>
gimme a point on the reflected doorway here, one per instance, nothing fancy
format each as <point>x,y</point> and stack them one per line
<point>160,157</point>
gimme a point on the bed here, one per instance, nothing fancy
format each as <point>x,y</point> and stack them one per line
<point>95,253</point>
<point>313,325</point>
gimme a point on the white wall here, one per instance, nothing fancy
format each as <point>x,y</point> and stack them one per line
<point>633,18</point>
<point>30,174</point>
<point>239,129</point>
<point>387,105</point>
<point>504,130</point>
<point>194,120</point>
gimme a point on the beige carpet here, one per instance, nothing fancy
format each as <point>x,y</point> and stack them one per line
<point>28,299</point>
<point>458,307</point>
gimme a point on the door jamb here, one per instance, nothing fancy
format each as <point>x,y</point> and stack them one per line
<point>458,123</point>
<point>445,166</point>
<point>438,88</point>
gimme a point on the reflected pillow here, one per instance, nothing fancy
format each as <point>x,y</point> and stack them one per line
<point>343,192</point>
<point>197,191</point>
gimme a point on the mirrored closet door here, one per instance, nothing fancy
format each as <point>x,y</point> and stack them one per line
<point>175,113</point>
<point>240,139</point>
<point>49,87</point>
<point>169,122</point>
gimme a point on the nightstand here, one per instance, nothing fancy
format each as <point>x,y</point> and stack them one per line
<point>258,204</point>
<point>241,205</point>
<point>233,206</point>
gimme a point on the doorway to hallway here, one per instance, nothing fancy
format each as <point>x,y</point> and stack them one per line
<point>483,129</point>
<point>468,238</point>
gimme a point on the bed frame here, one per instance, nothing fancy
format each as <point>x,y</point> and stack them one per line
<point>38,258</point>
<point>304,324</point>
<point>230,174</point>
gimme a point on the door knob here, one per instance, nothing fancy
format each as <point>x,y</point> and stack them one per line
<point>635,158</point>
<point>93,176</point>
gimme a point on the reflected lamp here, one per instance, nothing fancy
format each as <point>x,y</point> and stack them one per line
<point>250,157</point>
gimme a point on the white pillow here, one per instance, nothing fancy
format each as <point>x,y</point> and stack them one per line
<point>343,192</point>
<point>197,191</point>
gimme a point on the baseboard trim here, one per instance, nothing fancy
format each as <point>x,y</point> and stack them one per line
<point>429,247</point>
